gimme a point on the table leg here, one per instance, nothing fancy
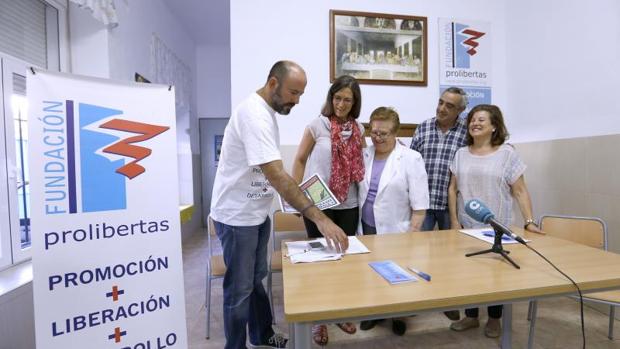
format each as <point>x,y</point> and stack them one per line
<point>530,337</point>
<point>291,335</point>
<point>302,335</point>
<point>612,318</point>
<point>507,326</point>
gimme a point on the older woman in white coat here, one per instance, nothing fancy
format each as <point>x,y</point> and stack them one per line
<point>394,191</point>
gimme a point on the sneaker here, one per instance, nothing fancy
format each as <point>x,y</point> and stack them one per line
<point>399,327</point>
<point>275,341</point>
<point>465,324</point>
<point>493,329</point>
<point>453,315</point>
<point>369,324</point>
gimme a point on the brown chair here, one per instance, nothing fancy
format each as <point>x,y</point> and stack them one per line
<point>284,225</point>
<point>215,270</point>
<point>589,231</point>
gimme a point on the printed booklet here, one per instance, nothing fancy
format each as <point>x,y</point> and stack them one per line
<point>392,272</point>
<point>317,191</point>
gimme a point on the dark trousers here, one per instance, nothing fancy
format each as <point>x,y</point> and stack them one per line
<point>245,301</point>
<point>346,219</point>
<point>441,218</point>
<point>494,311</point>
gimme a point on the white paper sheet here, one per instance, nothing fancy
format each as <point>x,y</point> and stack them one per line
<point>488,235</point>
<point>300,252</point>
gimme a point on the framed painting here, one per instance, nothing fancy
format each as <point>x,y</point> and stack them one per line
<point>378,48</point>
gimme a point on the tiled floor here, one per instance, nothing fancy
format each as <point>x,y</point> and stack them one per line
<point>557,326</point>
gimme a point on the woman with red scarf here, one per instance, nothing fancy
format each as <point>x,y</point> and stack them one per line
<point>332,147</point>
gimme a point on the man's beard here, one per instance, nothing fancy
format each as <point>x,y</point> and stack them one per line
<point>278,106</point>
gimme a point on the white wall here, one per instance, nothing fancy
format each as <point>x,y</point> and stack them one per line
<point>563,71</point>
<point>89,44</point>
<point>271,30</point>
<point>130,44</point>
<point>130,52</point>
<point>120,52</point>
<point>213,78</point>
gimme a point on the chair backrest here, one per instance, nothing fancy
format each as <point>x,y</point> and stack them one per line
<point>590,231</point>
<point>285,222</point>
<point>210,233</point>
<point>210,226</point>
<point>216,268</point>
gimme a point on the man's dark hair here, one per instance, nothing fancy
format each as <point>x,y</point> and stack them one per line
<point>280,70</point>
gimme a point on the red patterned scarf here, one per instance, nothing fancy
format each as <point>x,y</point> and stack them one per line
<point>347,163</point>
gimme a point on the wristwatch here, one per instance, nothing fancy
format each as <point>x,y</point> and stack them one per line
<point>528,222</point>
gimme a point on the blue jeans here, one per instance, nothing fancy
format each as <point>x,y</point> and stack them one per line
<point>245,300</point>
<point>440,217</point>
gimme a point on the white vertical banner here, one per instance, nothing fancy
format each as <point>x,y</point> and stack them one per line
<point>106,234</point>
<point>465,58</point>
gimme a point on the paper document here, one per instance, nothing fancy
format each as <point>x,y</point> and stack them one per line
<point>316,190</point>
<point>300,251</point>
<point>392,272</point>
<point>488,235</point>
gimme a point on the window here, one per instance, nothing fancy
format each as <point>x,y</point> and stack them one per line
<point>19,105</point>
<point>30,35</point>
<point>29,31</point>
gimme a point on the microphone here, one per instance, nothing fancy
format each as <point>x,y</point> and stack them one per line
<point>477,210</point>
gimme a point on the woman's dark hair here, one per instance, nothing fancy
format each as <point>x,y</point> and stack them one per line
<point>339,84</point>
<point>497,120</point>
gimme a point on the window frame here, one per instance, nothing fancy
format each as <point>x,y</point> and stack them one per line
<point>10,67</point>
<point>62,50</point>
<point>58,60</point>
<point>6,258</point>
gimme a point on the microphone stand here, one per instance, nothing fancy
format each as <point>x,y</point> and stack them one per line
<point>496,248</point>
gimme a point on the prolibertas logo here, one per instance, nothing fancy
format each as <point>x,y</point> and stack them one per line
<point>103,177</point>
<point>464,43</point>
<point>125,147</point>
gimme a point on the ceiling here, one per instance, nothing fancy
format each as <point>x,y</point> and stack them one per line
<point>207,21</point>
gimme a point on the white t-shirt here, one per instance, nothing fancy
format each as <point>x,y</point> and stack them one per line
<point>242,196</point>
<point>487,178</point>
<point>320,159</point>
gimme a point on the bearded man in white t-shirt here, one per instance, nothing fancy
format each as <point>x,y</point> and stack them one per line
<point>249,172</point>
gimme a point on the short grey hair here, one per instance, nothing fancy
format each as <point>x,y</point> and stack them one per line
<point>458,91</point>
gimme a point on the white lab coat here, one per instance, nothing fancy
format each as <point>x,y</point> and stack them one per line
<point>403,187</point>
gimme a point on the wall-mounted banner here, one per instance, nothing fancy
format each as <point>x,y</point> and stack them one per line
<point>465,58</point>
<point>106,236</point>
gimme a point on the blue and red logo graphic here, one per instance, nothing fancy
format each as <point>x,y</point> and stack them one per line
<point>464,41</point>
<point>103,179</point>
